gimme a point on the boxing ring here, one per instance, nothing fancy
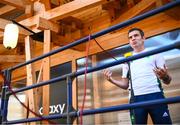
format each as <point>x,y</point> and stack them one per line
<point>69,77</point>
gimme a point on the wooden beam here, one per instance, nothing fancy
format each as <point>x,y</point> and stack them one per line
<point>64,1</point>
<point>46,73</point>
<point>159,3</point>
<point>55,2</point>
<point>38,91</point>
<point>39,8</point>
<point>5,9</point>
<point>113,8</point>
<point>130,3</point>
<point>63,11</point>
<point>138,8</point>
<point>28,2</point>
<point>12,58</point>
<point>31,77</point>
<point>44,24</point>
<point>171,12</point>
<point>174,13</point>
<point>72,8</point>
<point>72,21</point>
<point>16,3</point>
<point>74,91</point>
<point>29,9</point>
<point>111,5</point>
<point>47,4</point>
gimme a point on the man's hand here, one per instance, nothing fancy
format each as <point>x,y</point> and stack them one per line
<point>162,73</point>
<point>123,83</point>
<point>108,74</point>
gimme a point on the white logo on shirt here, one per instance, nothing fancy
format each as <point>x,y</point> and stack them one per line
<point>165,114</point>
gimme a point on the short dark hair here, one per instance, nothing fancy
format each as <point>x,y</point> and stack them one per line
<point>138,29</point>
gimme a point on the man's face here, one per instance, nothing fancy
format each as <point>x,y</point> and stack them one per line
<point>136,40</point>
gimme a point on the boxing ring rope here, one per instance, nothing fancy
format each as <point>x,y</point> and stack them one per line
<point>69,77</point>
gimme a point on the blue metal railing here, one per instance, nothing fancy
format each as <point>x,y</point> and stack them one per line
<point>70,114</point>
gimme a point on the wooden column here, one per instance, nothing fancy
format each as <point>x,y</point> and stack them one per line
<point>46,73</point>
<point>96,87</point>
<point>74,91</point>
<point>30,74</point>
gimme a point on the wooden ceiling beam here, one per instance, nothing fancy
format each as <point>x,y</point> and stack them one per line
<point>113,7</point>
<point>70,20</point>
<point>29,11</point>
<point>137,9</point>
<point>63,11</point>
<point>12,58</point>
<point>5,9</point>
<point>28,2</point>
<point>173,12</point>
<point>72,8</point>
<point>44,24</point>
<point>16,3</point>
<point>47,4</point>
<point>130,3</point>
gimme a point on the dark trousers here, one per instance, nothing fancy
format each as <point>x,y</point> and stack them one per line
<point>159,113</point>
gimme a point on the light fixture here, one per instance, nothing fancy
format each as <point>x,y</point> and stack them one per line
<point>11,33</point>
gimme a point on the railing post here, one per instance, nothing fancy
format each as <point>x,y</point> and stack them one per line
<point>69,99</point>
<point>5,97</point>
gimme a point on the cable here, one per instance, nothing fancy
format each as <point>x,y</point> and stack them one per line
<point>106,52</point>
<point>85,80</point>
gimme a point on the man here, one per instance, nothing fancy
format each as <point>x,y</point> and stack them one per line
<point>144,77</point>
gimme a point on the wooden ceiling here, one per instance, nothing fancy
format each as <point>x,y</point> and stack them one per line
<point>69,20</point>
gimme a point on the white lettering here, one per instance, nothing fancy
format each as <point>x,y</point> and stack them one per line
<point>51,109</point>
<point>54,109</point>
<point>40,111</point>
<point>62,108</point>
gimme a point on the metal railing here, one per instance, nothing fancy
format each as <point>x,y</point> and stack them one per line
<point>6,93</point>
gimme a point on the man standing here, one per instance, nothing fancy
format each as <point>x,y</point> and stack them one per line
<point>144,77</point>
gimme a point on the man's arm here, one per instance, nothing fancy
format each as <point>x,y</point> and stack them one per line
<point>122,83</point>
